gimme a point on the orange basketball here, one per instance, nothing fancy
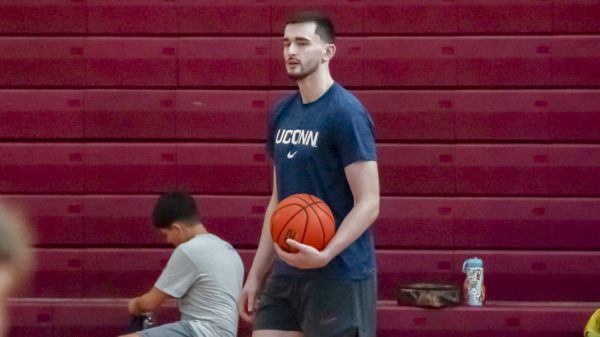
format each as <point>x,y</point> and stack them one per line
<point>304,218</point>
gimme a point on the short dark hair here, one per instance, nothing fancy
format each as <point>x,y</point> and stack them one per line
<point>324,25</point>
<point>175,206</point>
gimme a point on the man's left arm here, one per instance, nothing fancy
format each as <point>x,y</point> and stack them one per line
<point>363,179</point>
<point>148,302</point>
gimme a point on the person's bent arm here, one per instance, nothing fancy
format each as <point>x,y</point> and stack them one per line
<point>363,179</point>
<point>148,302</point>
<point>261,264</point>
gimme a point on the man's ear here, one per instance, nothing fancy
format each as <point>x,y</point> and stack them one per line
<point>177,226</point>
<point>329,52</point>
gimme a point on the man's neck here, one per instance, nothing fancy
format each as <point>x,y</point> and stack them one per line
<point>196,230</point>
<point>315,85</point>
<point>200,229</point>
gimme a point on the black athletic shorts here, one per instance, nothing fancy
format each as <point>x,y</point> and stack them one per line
<point>318,308</point>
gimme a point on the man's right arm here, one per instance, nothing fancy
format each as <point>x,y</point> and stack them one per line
<point>261,264</point>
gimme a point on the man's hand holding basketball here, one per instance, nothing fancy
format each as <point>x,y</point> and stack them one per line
<point>307,257</point>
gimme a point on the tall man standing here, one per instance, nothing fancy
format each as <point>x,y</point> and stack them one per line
<point>322,142</point>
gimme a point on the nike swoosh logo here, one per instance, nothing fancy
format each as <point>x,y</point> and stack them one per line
<point>291,155</point>
<point>326,321</point>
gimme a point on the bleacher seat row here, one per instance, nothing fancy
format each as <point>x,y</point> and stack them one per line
<point>241,115</point>
<point>404,223</point>
<point>246,62</point>
<point>511,275</point>
<point>217,168</point>
<point>267,16</point>
<point>107,317</point>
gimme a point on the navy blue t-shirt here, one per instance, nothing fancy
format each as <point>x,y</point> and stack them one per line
<point>311,144</point>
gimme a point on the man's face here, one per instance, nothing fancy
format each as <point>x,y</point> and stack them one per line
<point>303,49</point>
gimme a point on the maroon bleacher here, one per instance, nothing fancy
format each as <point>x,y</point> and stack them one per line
<point>125,220</point>
<point>43,114</point>
<point>234,62</point>
<point>410,61</point>
<point>118,17</point>
<point>576,61</point>
<point>203,114</point>
<point>417,169</point>
<point>36,61</point>
<point>59,273</point>
<point>502,169</point>
<point>382,17</point>
<point>31,317</point>
<point>118,62</point>
<point>469,61</point>
<point>544,276</point>
<point>498,115</point>
<point>57,220</point>
<point>228,115</point>
<point>420,115</point>
<point>409,222</point>
<point>41,168</point>
<point>498,319</point>
<point>212,114</point>
<point>405,222</point>
<point>116,273</point>
<point>130,168</point>
<point>525,223</point>
<point>581,17</point>
<point>119,221</point>
<point>573,115</point>
<point>223,168</point>
<point>131,114</point>
<point>511,275</point>
<point>403,267</point>
<point>504,16</point>
<point>486,115</point>
<point>136,168</point>
<point>503,61</point>
<point>574,170</point>
<point>264,16</point>
<point>223,17</point>
<point>35,16</point>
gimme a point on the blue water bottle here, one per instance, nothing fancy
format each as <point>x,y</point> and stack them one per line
<point>474,290</point>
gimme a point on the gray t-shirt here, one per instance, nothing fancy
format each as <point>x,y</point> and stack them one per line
<point>206,275</point>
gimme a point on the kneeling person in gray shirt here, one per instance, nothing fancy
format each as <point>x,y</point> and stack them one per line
<point>205,273</point>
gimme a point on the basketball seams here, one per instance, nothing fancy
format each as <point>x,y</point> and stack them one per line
<point>305,224</point>
<point>301,228</point>
<point>320,223</point>
<point>302,209</point>
<point>324,211</point>
<point>306,221</point>
<point>298,196</point>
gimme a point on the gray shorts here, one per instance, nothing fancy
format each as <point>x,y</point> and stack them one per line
<point>333,308</point>
<point>176,329</point>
